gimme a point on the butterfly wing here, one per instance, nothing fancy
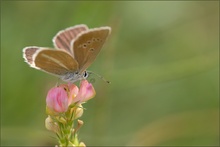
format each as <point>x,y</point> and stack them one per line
<point>56,62</point>
<point>62,39</point>
<point>88,45</point>
<point>28,53</point>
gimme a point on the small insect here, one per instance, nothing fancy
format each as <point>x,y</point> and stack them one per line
<point>75,50</point>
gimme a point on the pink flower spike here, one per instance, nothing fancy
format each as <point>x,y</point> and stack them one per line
<point>85,93</point>
<point>57,100</point>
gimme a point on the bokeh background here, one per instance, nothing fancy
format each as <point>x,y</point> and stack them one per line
<point>162,59</point>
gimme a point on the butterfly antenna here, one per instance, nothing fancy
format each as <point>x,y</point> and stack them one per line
<point>101,77</point>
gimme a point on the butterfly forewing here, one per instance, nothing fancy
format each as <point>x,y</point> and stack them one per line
<point>56,62</point>
<point>88,45</point>
<point>63,38</point>
<point>28,53</point>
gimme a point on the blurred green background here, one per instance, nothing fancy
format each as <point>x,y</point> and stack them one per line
<point>162,59</point>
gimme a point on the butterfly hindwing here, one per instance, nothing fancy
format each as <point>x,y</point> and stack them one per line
<point>63,38</point>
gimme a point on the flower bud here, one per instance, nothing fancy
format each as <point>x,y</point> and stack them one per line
<point>79,125</point>
<point>80,122</point>
<point>61,119</point>
<point>51,125</point>
<point>82,144</point>
<point>79,111</point>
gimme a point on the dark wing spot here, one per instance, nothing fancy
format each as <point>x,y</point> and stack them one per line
<point>84,45</point>
<point>91,49</point>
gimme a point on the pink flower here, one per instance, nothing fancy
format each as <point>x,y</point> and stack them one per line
<point>57,100</point>
<point>60,98</point>
<point>85,93</point>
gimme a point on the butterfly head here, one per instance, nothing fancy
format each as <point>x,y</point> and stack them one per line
<point>74,76</point>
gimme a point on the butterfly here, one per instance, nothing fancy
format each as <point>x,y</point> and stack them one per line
<point>76,48</point>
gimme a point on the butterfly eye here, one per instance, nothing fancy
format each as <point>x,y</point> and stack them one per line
<point>91,49</point>
<point>85,74</point>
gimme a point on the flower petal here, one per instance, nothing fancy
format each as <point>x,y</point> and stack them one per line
<point>57,99</point>
<point>51,125</point>
<point>85,93</point>
<point>73,92</point>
